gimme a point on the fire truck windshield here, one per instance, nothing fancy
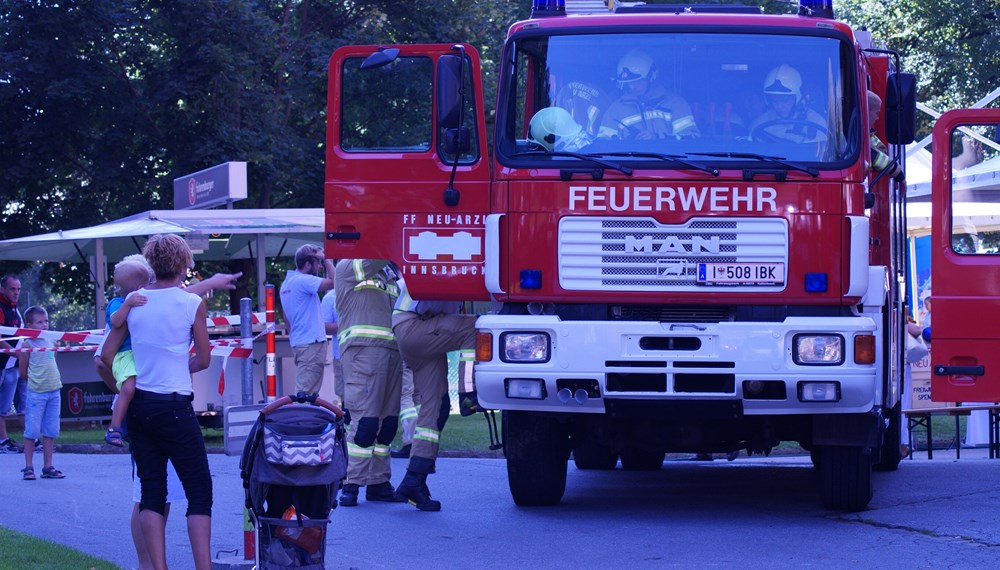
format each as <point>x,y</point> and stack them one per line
<point>725,95</point>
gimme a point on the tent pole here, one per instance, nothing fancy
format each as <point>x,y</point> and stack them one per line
<point>261,277</point>
<point>101,274</point>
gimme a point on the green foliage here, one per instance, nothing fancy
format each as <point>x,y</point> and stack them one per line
<point>953,46</point>
<point>107,101</point>
<point>65,314</point>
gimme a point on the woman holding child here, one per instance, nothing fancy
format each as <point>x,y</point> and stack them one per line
<point>161,420</point>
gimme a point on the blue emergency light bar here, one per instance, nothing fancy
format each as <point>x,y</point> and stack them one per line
<point>547,8</point>
<point>816,8</point>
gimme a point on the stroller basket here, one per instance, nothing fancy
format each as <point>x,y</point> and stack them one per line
<point>283,543</point>
<point>292,465</point>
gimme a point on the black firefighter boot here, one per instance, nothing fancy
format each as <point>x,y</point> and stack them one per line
<point>413,488</point>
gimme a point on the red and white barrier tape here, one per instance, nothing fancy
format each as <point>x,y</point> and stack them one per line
<point>226,347</point>
<point>87,348</point>
<point>89,337</point>
<point>255,318</point>
<point>232,352</point>
<point>239,341</point>
<point>217,350</point>
<point>96,336</point>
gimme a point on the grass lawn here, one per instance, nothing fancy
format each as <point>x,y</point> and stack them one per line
<point>22,551</point>
<point>464,435</point>
<point>469,435</point>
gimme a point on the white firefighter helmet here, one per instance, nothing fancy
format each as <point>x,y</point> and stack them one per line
<point>551,126</point>
<point>633,66</point>
<point>783,80</point>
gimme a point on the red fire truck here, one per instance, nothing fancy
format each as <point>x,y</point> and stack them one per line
<point>678,226</point>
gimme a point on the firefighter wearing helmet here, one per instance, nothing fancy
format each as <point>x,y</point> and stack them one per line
<point>787,118</point>
<point>366,292</point>
<point>554,129</point>
<point>645,110</point>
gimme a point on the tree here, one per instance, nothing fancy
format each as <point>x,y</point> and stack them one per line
<point>953,46</point>
<point>107,101</point>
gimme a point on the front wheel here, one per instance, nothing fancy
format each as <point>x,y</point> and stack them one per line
<point>846,473</point>
<point>537,451</point>
<point>890,454</point>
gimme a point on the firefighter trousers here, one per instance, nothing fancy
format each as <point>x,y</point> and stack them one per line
<point>408,406</point>
<point>425,344</point>
<point>372,379</point>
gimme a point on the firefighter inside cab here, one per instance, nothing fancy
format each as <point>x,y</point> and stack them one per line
<point>646,110</point>
<point>787,117</point>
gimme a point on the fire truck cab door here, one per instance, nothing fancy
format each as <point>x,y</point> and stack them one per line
<point>965,257</point>
<point>403,122</point>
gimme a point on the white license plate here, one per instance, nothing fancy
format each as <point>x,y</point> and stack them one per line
<point>741,273</point>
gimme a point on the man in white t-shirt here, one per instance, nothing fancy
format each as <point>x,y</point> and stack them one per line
<point>300,302</point>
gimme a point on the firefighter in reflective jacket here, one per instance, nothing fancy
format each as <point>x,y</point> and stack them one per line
<point>426,332</point>
<point>366,292</point>
<point>646,110</point>
<point>880,155</point>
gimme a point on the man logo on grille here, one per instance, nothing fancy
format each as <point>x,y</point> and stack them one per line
<point>673,245</point>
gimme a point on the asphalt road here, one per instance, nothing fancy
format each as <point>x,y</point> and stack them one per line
<point>751,513</point>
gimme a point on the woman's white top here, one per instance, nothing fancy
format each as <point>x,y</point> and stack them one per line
<point>161,339</point>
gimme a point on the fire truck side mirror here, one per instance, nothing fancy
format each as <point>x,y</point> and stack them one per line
<point>448,91</point>
<point>901,108</point>
<point>384,56</point>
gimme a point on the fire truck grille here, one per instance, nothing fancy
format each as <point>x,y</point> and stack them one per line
<point>642,255</point>
<point>675,313</point>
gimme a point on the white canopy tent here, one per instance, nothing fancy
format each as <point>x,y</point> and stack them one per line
<point>918,160</point>
<point>213,234</point>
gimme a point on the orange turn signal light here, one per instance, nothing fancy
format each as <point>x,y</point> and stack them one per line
<point>864,349</point>
<point>484,346</point>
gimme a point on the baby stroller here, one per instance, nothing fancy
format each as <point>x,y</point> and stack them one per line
<point>292,465</point>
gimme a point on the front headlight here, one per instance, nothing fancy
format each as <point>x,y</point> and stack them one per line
<point>818,349</point>
<point>524,347</point>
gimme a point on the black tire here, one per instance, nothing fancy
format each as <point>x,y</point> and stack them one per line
<point>537,451</point>
<point>889,455</point>
<point>594,456</point>
<point>641,459</point>
<point>846,474</point>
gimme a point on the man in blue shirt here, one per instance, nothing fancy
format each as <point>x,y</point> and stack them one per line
<point>300,302</point>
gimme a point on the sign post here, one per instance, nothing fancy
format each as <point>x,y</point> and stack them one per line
<point>246,338</point>
<point>222,184</point>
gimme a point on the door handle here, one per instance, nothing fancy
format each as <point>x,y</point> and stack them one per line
<point>942,370</point>
<point>343,235</point>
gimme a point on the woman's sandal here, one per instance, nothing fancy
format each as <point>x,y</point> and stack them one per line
<point>114,437</point>
<point>52,473</point>
<point>29,473</point>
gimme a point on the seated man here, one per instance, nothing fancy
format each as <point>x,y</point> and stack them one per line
<point>787,117</point>
<point>646,110</point>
